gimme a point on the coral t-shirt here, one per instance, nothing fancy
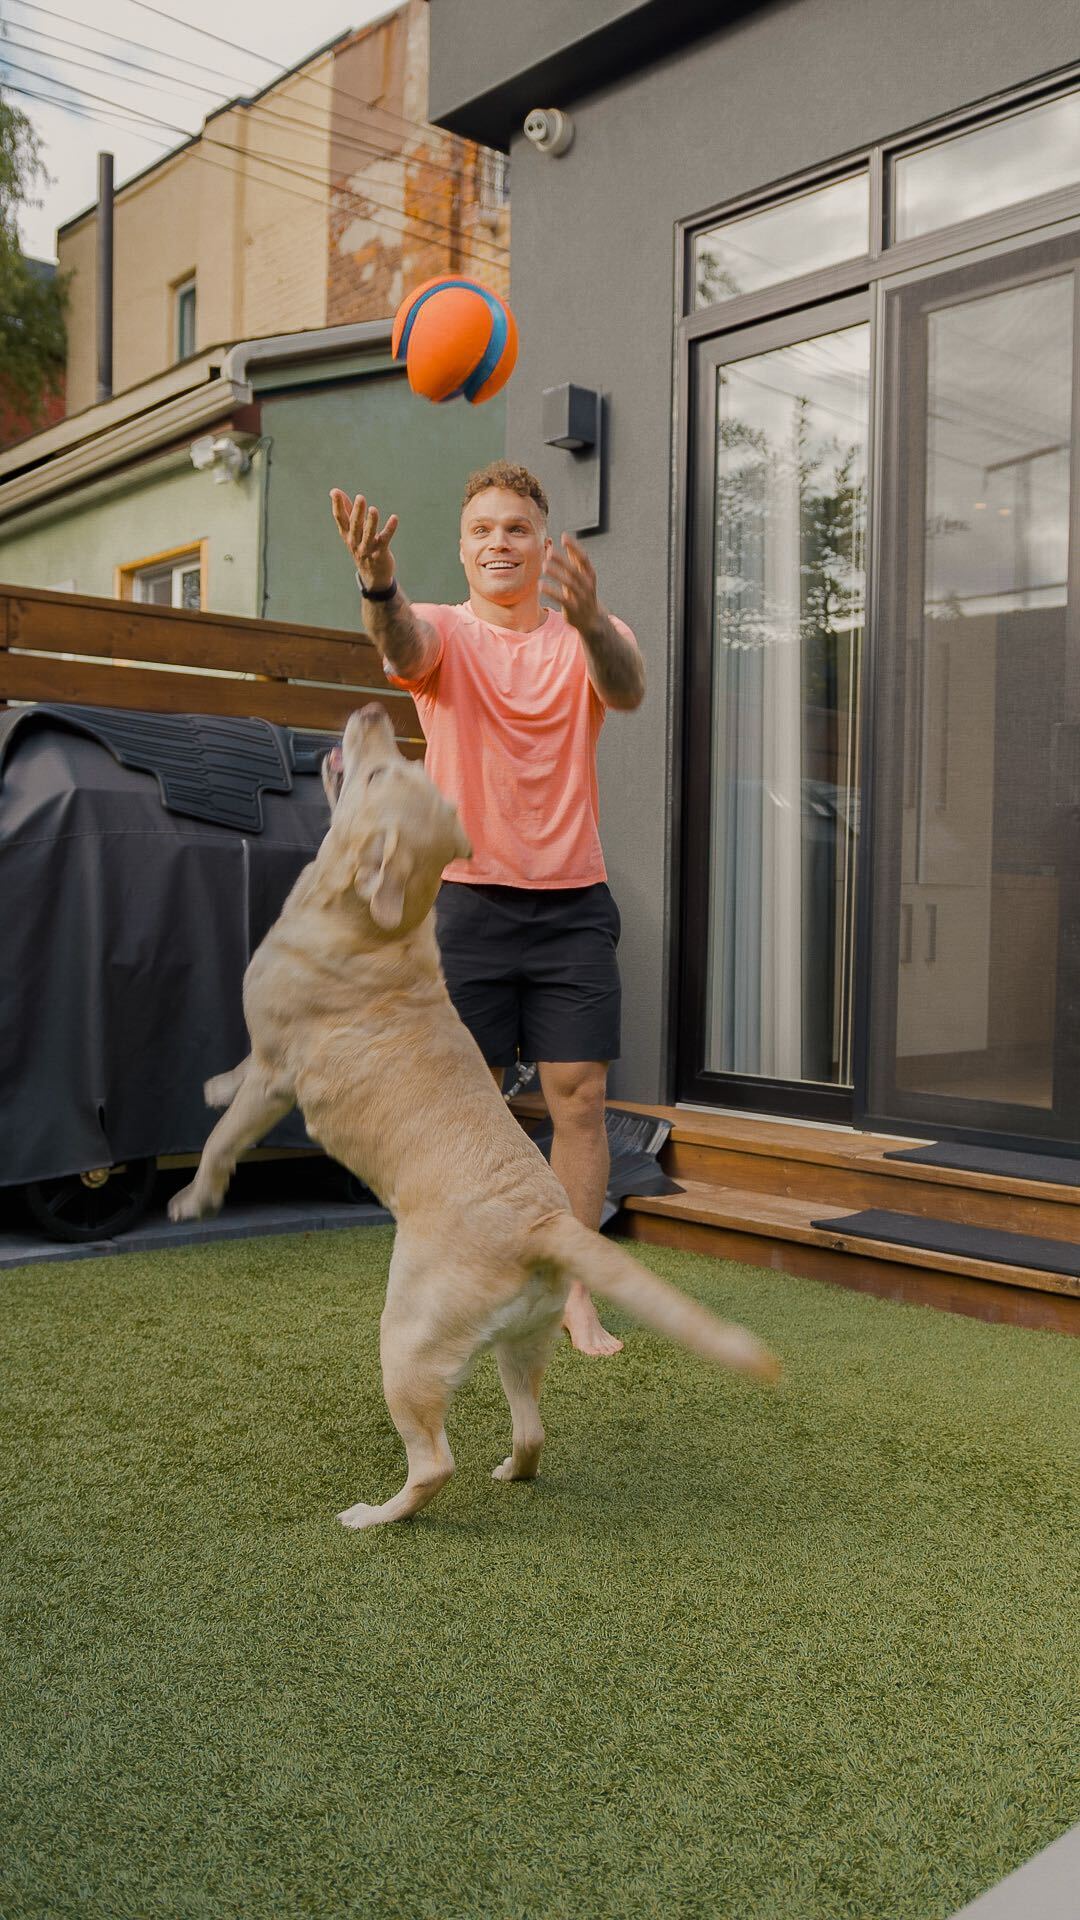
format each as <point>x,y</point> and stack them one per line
<point>511,722</point>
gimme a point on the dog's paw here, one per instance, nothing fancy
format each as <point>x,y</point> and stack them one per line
<point>359,1516</point>
<point>507,1471</point>
<point>190,1204</point>
<point>220,1091</point>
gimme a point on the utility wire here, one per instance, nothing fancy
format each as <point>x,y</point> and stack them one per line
<point>84,113</point>
<point>254,107</point>
<point>251,54</point>
<point>440,234</point>
<point>143,46</point>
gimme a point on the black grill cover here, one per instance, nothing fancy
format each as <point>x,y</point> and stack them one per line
<point>125,929</point>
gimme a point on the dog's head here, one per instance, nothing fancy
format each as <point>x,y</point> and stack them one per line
<point>391,831</point>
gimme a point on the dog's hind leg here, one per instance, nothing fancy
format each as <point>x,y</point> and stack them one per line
<point>423,1362</point>
<point>418,1385</point>
<point>522,1366</point>
<point>257,1106</point>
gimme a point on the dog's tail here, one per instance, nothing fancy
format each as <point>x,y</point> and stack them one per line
<point>605,1269</point>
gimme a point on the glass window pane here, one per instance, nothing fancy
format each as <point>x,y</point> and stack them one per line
<point>985,848</point>
<point>185,321</point>
<point>789,584</point>
<point>154,588</point>
<point>190,588</point>
<point>812,230</point>
<point>1029,153</point>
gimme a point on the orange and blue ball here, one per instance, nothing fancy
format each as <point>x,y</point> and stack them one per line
<point>457,339</point>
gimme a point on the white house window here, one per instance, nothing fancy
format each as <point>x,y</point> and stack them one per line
<point>175,582</point>
<point>184,322</point>
<point>493,180</point>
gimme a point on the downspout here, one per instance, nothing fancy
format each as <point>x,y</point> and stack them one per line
<point>318,343</point>
<point>105,277</point>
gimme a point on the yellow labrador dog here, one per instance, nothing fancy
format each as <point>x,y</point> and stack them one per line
<point>350,1020</point>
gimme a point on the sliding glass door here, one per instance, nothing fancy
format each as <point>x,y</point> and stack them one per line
<point>974,935</point>
<point>775,670</point>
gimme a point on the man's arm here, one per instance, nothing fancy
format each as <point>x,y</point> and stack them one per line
<point>407,644</point>
<point>614,661</point>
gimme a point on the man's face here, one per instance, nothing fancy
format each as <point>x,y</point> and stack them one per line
<point>504,545</point>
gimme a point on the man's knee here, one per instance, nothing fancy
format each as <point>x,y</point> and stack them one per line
<point>576,1094</point>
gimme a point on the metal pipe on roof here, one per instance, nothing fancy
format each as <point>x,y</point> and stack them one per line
<point>105,277</point>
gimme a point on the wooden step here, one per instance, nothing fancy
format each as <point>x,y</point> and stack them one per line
<point>777,1230</point>
<point>853,1170</point>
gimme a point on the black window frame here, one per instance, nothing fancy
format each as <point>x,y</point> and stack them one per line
<point>870,274</point>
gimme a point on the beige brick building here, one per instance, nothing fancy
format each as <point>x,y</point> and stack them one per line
<point>318,201</point>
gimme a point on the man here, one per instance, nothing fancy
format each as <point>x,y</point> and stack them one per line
<point>511,696</point>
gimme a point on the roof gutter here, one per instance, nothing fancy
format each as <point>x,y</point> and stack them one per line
<point>321,343</point>
<point>228,386</point>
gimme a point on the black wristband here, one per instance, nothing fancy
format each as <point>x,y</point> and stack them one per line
<point>376,593</point>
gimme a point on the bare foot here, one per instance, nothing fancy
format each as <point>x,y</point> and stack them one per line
<point>582,1323</point>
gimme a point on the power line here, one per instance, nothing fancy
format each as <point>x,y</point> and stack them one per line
<point>22,47</point>
<point>254,107</point>
<point>251,54</point>
<point>106,33</point>
<point>439,235</point>
<point>83,113</point>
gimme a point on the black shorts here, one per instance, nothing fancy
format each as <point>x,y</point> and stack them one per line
<point>532,970</point>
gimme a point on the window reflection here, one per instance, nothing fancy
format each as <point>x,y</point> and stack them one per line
<point>788,622</point>
<point>1018,158</point>
<point>812,230</point>
<point>985,689</point>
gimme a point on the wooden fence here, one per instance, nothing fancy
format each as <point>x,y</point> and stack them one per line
<point>116,653</point>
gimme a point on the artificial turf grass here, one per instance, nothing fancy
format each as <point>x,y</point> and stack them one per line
<point>736,1655</point>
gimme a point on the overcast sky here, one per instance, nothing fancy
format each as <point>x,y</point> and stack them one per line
<point>88,42</point>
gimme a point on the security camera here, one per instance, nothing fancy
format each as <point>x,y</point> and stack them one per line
<point>227,454</point>
<point>549,130</point>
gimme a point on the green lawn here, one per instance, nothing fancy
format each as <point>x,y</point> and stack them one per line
<point>807,1655</point>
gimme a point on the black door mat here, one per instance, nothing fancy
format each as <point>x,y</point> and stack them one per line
<point>953,1236</point>
<point>1055,1170</point>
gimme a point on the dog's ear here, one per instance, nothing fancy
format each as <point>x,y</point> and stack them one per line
<point>382,877</point>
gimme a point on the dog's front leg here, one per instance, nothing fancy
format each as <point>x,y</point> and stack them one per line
<point>257,1105</point>
<point>224,1087</point>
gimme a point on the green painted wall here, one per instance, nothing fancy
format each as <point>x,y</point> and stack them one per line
<point>365,430</point>
<point>77,540</point>
<point>373,436</point>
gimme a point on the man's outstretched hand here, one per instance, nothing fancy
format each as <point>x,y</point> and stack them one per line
<point>614,661</point>
<point>358,525</point>
<point>569,578</point>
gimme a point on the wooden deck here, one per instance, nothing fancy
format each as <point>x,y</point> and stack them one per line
<point>752,1190</point>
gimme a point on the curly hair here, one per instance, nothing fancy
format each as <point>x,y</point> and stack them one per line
<point>502,473</point>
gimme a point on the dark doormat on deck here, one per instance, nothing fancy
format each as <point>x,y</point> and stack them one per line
<point>634,1141</point>
<point>954,1236</point>
<point>1057,1170</point>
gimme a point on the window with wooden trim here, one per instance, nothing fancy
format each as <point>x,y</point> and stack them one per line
<point>176,578</point>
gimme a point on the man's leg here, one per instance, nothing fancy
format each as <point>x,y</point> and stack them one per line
<point>575,1094</point>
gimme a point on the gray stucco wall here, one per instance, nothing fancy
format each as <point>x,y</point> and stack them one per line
<point>593,240</point>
